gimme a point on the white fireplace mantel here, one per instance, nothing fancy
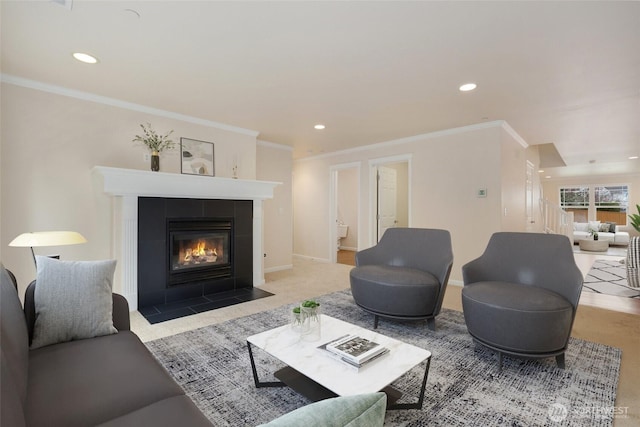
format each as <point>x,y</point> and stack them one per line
<point>126,185</point>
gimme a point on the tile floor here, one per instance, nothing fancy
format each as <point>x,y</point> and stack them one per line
<point>175,310</point>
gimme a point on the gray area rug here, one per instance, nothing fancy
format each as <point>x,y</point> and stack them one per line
<point>465,386</point>
<point>609,277</point>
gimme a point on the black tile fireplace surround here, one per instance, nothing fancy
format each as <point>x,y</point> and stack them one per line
<point>156,289</point>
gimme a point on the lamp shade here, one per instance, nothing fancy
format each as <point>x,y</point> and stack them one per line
<point>48,238</point>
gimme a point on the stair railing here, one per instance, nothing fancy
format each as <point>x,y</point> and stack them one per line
<point>556,220</point>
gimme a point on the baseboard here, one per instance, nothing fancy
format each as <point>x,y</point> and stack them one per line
<point>278,268</point>
<point>310,258</point>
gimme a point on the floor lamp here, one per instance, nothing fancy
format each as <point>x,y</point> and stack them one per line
<point>47,238</point>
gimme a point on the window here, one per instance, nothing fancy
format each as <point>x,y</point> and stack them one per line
<point>571,197</point>
<point>610,202</point>
<point>576,200</point>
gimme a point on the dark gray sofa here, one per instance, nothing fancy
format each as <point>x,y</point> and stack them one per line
<point>111,380</point>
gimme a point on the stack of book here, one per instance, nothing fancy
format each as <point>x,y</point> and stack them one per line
<point>353,350</point>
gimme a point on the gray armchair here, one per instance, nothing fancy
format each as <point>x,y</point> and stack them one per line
<point>520,297</point>
<point>405,275</point>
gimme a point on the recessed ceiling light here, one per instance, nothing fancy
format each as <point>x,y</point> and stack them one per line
<point>85,57</point>
<point>541,171</point>
<point>633,157</point>
<point>548,176</point>
<point>467,87</point>
<point>319,126</point>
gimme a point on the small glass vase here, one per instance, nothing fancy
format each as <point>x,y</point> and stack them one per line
<point>311,323</point>
<point>297,321</point>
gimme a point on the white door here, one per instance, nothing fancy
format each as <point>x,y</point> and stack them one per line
<point>529,198</point>
<point>387,188</point>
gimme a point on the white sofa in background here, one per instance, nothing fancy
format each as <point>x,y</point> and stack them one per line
<point>581,231</point>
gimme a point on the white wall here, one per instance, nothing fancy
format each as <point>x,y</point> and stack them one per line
<point>51,142</point>
<point>311,211</point>
<point>274,163</point>
<point>447,170</point>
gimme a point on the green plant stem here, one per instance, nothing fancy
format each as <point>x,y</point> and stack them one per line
<point>635,219</point>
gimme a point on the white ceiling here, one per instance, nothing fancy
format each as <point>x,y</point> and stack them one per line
<point>566,73</point>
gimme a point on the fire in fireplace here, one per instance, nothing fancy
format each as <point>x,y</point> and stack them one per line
<point>199,249</point>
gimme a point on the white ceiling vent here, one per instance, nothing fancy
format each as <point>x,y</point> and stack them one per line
<point>68,4</point>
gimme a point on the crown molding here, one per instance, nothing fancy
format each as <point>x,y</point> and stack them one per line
<point>437,134</point>
<point>274,145</point>
<point>86,96</point>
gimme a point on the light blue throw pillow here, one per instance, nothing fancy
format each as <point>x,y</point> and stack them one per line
<point>73,300</point>
<point>363,410</point>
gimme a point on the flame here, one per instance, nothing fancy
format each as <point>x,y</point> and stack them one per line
<point>199,250</point>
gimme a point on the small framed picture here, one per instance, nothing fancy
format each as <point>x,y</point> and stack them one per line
<point>197,157</point>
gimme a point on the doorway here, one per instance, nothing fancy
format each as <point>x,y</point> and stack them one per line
<point>390,194</point>
<point>345,213</point>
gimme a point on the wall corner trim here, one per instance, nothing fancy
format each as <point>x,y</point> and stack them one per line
<point>514,134</point>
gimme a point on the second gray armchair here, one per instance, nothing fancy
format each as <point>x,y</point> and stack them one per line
<point>405,275</point>
<point>521,295</point>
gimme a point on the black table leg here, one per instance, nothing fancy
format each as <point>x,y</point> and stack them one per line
<point>418,404</point>
<point>256,380</point>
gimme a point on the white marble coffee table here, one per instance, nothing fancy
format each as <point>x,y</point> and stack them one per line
<point>318,376</point>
